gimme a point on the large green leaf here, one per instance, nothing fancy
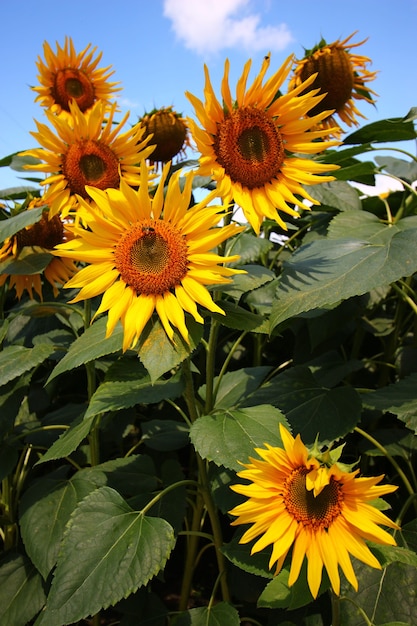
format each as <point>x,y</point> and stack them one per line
<point>220,614</point>
<point>91,345</point>
<point>91,574</point>
<point>33,263</point>
<point>392,129</point>
<point>26,218</point>
<point>16,360</point>
<point>21,590</point>
<point>227,437</point>
<point>114,395</point>
<point>326,271</point>
<point>69,440</point>
<point>407,170</point>
<point>235,386</point>
<point>386,596</point>
<point>160,355</point>
<point>44,511</point>
<point>337,194</point>
<point>398,398</point>
<point>241,319</point>
<point>312,410</point>
<point>256,276</point>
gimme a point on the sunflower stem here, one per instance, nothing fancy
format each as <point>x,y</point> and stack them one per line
<point>335,600</point>
<point>390,458</point>
<point>210,365</point>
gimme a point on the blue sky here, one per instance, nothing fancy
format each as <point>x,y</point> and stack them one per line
<point>157,49</point>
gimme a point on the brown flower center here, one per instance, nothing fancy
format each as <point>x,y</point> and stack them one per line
<point>335,77</point>
<point>249,147</point>
<point>46,233</point>
<point>169,134</point>
<point>152,257</point>
<point>92,163</point>
<point>312,511</point>
<point>72,84</point>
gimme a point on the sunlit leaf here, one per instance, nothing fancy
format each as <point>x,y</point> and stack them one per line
<point>392,129</point>
<point>90,574</point>
<point>26,218</point>
<point>230,436</point>
<point>337,194</point>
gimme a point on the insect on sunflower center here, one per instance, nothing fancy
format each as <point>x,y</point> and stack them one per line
<point>73,84</point>
<point>249,146</point>
<point>152,257</point>
<point>90,162</point>
<point>310,510</point>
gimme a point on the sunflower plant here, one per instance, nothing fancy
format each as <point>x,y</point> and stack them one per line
<point>208,363</point>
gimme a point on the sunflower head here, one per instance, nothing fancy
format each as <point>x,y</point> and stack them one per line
<point>168,131</point>
<point>339,74</point>
<point>86,149</point>
<point>311,507</point>
<point>33,247</point>
<point>67,75</point>
<point>248,143</point>
<point>149,252</point>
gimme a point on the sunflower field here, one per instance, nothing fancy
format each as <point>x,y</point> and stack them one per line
<point>208,364</point>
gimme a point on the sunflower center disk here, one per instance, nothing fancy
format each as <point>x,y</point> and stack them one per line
<point>152,257</point>
<point>90,163</point>
<point>46,233</point>
<point>249,147</point>
<point>335,77</point>
<point>72,84</point>
<point>312,511</point>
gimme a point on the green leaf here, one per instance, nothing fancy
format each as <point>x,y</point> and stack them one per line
<point>116,395</point>
<point>398,398</point>
<point>16,360</point>
<point>326,271</point>
<point>220,614</point>
<point>392,129</point>
<point>386,595</point>
<point>21,590</point>
<point>241,319</point>
<point>12,225</point>
<point>159,355</point>
<point>236,386</point>
<point>69,440</point>
<point>278,595</point>
<point>44,511</point>
<point>240,555</point>
<point>91,345</point>
<point>336,194</point>
<point>249,248</point>
<point>256,276</point>
<point>406,170</point>
<point>227,437</point>
<point>92,575</point>
<point>33,263</point>
<point>311,409</point>
<point>165,435</point>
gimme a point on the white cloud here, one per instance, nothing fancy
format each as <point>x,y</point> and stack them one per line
<point>207,26</point>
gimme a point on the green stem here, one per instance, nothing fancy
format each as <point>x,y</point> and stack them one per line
<point>367,621</point>
<point>389,457</point>
<point>210,365</point>
<point>227,361</point>
<point>335,601</point>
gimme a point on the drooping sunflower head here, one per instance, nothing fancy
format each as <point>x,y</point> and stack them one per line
<point>341,75</point>
<point>320,511</point>
<point>86,149</point>
<point>67,75</point>
<point>31,247</point>
<point>249,144</point>
<point>150,253</point>
<point>169,134</point>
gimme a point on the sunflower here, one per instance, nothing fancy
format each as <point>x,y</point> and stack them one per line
<point>169,133</point>
<point>67,75</point>
<point>150,254</point>
<point>31,245</point>
<point>319,509</point>
<point>339,74</point>
<point>87,149</point>
<point>247,145</point>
